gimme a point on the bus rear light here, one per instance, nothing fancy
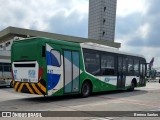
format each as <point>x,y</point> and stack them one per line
<point>40,73</point>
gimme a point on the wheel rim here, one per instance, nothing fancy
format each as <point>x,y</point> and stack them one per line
<point>86,89</point>
<point>132,86</point>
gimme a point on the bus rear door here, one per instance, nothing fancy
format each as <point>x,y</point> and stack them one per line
<point>63,70</point>
<point>121,76</point>
<point>54,68</point>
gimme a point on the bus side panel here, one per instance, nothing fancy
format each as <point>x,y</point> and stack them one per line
<point>64,78</point>
<point>54,69</point>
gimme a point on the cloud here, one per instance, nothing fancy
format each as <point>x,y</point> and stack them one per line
<point>71,24</point>
<point>127,7</point>
<point>127,25</point>
<point>139,31</point>
<point>137,26</point>
<point>59,16</point>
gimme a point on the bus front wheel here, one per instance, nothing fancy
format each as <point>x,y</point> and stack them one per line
<point>86,89</point>
<point>132,86</point>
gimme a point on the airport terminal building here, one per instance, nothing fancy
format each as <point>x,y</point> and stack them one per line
<point>7,35</point>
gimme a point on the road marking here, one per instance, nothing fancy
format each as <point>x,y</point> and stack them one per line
<point>133,102</point>
<point>96,104</point>
<point>112,100</point>
<point>107,118</point>
<point>156,109</point>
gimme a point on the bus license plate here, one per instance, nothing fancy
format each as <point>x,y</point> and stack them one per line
<point>25,80</point>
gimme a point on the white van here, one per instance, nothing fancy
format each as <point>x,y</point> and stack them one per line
<point>5,74</point>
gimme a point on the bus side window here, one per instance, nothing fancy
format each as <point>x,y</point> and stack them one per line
<point>1,67</point>
<point>125,63</point>
<point>130,67</point>
<point>6,68</point>
<point>55,58</point>
<point>136,67</point>
<point>92,63</point>
<point>107,65</point>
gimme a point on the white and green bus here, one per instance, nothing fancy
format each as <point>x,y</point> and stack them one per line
<point>55,67</point>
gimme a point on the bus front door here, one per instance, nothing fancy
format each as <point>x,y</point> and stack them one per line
<point>142,73</point>
<point>121,76</point>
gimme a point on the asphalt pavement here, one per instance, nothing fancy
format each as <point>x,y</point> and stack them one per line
<point>120,102</point>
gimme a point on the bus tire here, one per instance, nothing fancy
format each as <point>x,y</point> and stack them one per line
<point>132,86</point>
<point>159,80</point>
<point>86,89</point>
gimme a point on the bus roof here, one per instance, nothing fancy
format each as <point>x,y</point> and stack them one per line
<point>48,40</point>
<point>88,45</point>
<point>99,47</point>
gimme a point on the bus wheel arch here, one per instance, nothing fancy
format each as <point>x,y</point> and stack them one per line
<point>134,81</point>
<point>86,88</point>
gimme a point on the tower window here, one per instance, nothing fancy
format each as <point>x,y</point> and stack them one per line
<point>104,9</point>
<point>103,33</point>
<point>104,20</point>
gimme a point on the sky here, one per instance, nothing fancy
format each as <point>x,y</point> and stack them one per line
<point>137,21</point>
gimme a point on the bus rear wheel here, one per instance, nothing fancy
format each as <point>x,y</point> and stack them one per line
<point>86,89</point>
